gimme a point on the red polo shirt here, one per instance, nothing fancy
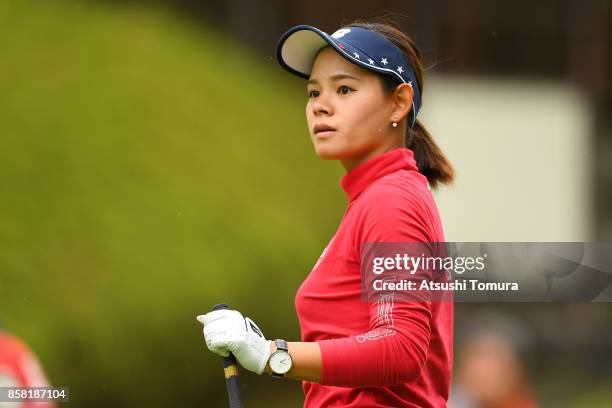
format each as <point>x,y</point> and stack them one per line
<point>377,354</point>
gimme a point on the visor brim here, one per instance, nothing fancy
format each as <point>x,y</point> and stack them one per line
<point>297,48</point>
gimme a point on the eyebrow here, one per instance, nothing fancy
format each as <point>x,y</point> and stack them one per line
<point>333,78</point>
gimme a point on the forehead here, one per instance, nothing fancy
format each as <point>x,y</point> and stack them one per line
<point>328,62</point>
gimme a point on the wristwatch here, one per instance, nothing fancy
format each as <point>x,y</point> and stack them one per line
<point>280,361</point>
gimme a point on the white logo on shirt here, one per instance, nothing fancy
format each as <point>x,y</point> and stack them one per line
<point>324,252</point>
<point>385,326</point>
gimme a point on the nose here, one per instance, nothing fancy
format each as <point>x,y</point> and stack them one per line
<point>321,106</point>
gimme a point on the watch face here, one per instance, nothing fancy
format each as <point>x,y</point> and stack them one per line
<point>280,362</point>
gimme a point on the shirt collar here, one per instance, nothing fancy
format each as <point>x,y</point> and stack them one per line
<point>360,177</point>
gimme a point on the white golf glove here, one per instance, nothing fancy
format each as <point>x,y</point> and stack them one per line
<point>228,331</point>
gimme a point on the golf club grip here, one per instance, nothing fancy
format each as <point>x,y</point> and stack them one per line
<point>230,368</point>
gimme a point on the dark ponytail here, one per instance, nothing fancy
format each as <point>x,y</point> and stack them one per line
<point>431,161</point>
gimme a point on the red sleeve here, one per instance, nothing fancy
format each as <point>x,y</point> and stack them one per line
<point>394,349</point>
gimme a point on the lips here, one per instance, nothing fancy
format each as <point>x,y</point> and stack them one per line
<point>322,127</point>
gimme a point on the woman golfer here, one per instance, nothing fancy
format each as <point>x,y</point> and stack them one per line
<point>365,83</point>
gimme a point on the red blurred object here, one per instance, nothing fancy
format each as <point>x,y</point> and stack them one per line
<point>19,367</point>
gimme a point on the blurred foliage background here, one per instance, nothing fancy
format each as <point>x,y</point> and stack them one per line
<point>150,167</point>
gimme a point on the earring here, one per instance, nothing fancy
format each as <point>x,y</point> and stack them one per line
<point>394,124</point>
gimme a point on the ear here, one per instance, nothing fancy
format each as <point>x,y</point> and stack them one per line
<point>402,102</point>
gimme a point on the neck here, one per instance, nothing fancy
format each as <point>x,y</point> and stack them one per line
<point>351,162</point>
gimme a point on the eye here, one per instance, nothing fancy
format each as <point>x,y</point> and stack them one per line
<point>313,93</point>
<point>343,89</point>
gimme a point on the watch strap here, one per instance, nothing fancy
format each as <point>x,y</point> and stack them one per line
<point>281,345</point>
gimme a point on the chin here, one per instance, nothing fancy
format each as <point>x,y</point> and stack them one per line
<point>337,149</point>
<point>329,152</point>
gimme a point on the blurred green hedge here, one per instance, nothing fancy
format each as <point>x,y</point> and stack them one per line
<point>149,168</point>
